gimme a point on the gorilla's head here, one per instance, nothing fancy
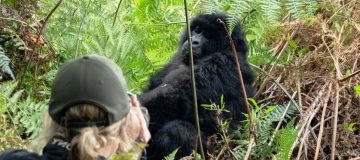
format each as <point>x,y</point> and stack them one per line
<point>209,37</point>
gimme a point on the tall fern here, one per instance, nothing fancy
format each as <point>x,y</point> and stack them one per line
<point>120,46</point>
<point>27,115</point>
<point>238,11</point>
<point>271,9</point>
<point>284,141</point>
<point>301,9</point>
<point>263,117</point>
<point>212,6</point>
<point>5,63</point>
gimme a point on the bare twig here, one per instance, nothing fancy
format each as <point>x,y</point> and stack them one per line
<point>305,123</point>
<point>248,151</point>
<point>193,81</point>
<point>298,84</point>
<point>224,136</point>
<point>318,144</point>
<point>80,28</point>
<point>281,120</point>
<point>277,83</point>
<point>335,59</point>
<point>238,67</point>
<point>262,86</point>
<point>155,24</point>
<point>15,20</point>
<point>349,76</point>
<point>222,151</point>
<point>114,21</point>
<point>325,120</point>
<point>31,58</point>
<point>116,13</point>
<point>333,140</point>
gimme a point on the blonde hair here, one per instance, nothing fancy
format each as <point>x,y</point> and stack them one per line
<point>86,142</point>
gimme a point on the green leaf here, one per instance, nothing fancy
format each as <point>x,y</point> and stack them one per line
<point>172,155</point>
<point>251,37</point>
<point>357,89</point>
<point>285,139</point>
<point>9,1</point>
<point>292,44</point>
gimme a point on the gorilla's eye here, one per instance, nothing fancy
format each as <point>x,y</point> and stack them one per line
<point>197,30</point>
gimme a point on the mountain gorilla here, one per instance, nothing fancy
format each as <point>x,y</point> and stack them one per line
<point>169,94</point>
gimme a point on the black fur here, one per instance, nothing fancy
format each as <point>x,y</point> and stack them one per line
<point>169,95</point>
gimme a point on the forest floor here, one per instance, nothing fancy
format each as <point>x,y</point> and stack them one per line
<point>321,82</point>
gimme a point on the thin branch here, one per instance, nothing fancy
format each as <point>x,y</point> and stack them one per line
<point>333,142</point>
<point>306,122</point>
<point>298,84</point>
<point>349,76</point>
<point>31,58</point>
<point>262,86</point>
<point>193,81</point>
<point>80,28</point>
<point>281,86</point>
<point>15,20</point>
<point>248,151</point>
<point>155,24</point>
<point>248,109</point>
<point>114,21</point>
<point>116,13</point>
<point>318,143</point>
<point>280,122</point>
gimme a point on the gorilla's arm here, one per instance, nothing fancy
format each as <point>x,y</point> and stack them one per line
<point>170,99</point>
<point>158,78</point>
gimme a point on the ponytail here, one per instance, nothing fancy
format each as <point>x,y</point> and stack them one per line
<point>86,143</point>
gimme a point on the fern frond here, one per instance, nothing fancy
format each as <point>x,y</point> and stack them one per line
<point>311,7</point>
<point>301,9</point>
<point>171,156</point>
<point>277,113</point>
<point>270,115</point>
<point>30,115</point>
<point>26,114</point>
<point>238,11</point>
<point>121,46</point>
<point>7,88</point>
<point>5,63</point>
<point>271,10</point>
<point>212,6</point>
<point>285,139</point>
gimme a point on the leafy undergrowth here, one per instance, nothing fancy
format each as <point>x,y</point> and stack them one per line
<point>307,63</point>
<point>9,135</point>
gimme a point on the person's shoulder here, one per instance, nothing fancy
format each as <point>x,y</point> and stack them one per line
<point>19,154</point>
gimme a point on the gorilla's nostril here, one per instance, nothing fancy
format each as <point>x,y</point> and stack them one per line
<point>195,43</point>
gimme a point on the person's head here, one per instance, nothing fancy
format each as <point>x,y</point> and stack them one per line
<point>90,108</point>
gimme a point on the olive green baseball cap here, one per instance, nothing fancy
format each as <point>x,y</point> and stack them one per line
<point>93,80</point>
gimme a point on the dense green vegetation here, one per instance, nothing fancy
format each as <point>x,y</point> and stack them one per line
<point>289,43</point>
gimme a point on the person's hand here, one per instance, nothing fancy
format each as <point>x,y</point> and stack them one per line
<point>109,149</point>
<point>144,131</point>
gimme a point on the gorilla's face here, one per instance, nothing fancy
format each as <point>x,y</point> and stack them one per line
<point>208,37</point>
